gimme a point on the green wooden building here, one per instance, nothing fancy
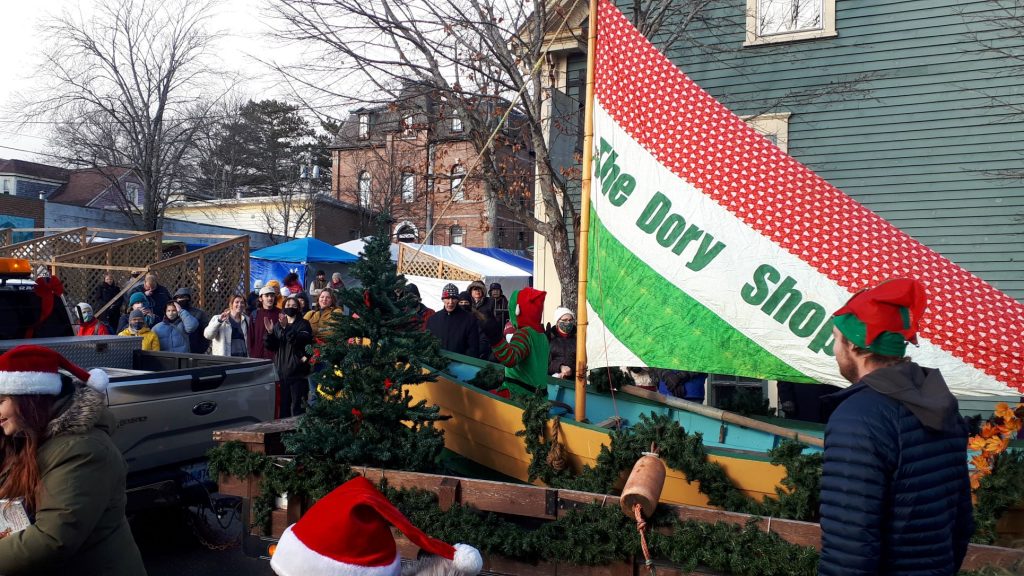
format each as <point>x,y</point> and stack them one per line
<point>915,108</point>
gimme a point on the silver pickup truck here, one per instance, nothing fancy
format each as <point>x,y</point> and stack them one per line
<point>167,404</point>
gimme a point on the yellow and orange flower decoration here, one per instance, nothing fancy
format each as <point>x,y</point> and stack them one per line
<point>993,439</point>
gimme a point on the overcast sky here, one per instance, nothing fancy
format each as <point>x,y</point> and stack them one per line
<point>20,40</point>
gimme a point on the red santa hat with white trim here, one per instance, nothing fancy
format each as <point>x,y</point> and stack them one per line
<point>348,533</point>
<point>30,369</point>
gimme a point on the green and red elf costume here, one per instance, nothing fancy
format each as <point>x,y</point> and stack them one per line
<point>525,353</point>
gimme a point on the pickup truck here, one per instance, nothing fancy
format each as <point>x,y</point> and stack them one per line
<point>166,404</point>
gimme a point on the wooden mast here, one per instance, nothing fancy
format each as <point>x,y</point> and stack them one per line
<point>588,154</point>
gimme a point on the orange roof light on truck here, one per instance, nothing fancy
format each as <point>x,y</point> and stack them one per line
<point>15,268</point>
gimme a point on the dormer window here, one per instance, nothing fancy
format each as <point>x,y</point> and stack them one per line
<point>456,125</point>
<point>407,127</point>
<point>364,126</point>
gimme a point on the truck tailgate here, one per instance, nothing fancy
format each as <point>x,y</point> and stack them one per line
<point>168,417</point>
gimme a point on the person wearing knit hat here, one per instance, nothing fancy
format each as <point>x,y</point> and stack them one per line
<point>456,328</point>
<point>562,344</point>
<point>348,533</point>
<point>267,310</point>
<point>895,491</point>
<point>500,303</point>
<point>61,466</point>
<point>136,326</point>
<point>88,323</point>
<point>137,301</point>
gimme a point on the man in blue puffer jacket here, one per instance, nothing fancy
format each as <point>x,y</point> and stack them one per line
<point>895,493</point>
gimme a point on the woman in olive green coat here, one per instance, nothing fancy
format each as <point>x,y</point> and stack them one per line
<point>59,459</point>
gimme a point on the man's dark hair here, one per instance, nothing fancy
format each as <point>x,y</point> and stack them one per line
<point>874,358</point>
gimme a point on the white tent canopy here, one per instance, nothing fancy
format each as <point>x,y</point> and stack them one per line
<point>489,269</point>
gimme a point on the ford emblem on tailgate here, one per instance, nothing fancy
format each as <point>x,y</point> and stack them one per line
<point>204,408</point>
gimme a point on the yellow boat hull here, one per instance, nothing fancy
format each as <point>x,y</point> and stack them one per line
<point>483,429</point>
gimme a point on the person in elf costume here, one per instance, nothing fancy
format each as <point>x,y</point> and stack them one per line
<point>895,491</point>
<point>348,533</point>
<point>524,350</point>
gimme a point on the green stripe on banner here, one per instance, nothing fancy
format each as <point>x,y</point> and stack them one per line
<point>664,326</point>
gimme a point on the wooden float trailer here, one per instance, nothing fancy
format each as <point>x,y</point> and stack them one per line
<point>513,499</point>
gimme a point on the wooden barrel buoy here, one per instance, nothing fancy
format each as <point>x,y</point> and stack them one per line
<point>644,485</point>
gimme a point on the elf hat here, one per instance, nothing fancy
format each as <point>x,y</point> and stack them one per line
<point>884,318</point>
<point>348,533</point>
<point>30,369</point>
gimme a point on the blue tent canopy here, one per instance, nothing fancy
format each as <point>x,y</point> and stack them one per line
<point>524,264</point>
<point>304,251</point>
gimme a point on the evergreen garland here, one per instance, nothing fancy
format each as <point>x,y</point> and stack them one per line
<point>797,499</point>
<point>605,379</point>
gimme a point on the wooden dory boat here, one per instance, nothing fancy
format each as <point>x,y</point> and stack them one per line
<point>483,429</point>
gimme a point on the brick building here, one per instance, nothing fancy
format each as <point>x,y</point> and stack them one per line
<point>412,158</point>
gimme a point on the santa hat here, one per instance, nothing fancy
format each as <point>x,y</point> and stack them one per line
<point>348,533</point>
<point>884,318</point>
<point>32,369</point>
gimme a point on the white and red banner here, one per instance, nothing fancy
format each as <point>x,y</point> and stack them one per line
<point>713,250</point>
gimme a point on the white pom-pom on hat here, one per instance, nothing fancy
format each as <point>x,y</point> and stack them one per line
<point>467,559</point>
<point>98,380</point>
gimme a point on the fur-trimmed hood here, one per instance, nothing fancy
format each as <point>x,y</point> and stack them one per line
<point>76,413</point>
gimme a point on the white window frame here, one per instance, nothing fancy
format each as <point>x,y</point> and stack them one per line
<point>133,191</point>
<point>456,125</point>
<point>754,36</point>
<point>458,178</point>
<point>408,187</point>
<point>363,188</point>
<point>364,126</point>
<point>771,125</point>
<point>457,234</point>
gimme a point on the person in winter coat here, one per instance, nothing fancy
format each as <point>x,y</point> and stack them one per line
<point>157,295</point>
<point>197,342</point>
<point>454,327</point>
<point>173,329</point>
<point>88,324</point>
<point>327,311</point>
<point>500,304</point>
<point>336,284</point>
<point>486,324</point>
<point>229,332</point>
<point>252,302</point>
<point>318,284</point>
<point>562,344</point>
<point>422,312</point>
<point>267,311</point>
<point>287,339</point>
<point>138,301</point>
<point>481,301</point>
<point>137,327</point>
<point>320,321</point>
<point>105,292</point>
<point>524,351</point>
<point>895,491</point>
<point>58,457</point>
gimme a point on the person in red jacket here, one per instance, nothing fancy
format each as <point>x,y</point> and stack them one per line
<point>89,324</point>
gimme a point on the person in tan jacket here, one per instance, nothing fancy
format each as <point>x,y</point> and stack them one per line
<point>320,321</point>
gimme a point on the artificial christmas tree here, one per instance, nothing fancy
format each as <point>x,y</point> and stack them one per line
<point>363,414</point>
